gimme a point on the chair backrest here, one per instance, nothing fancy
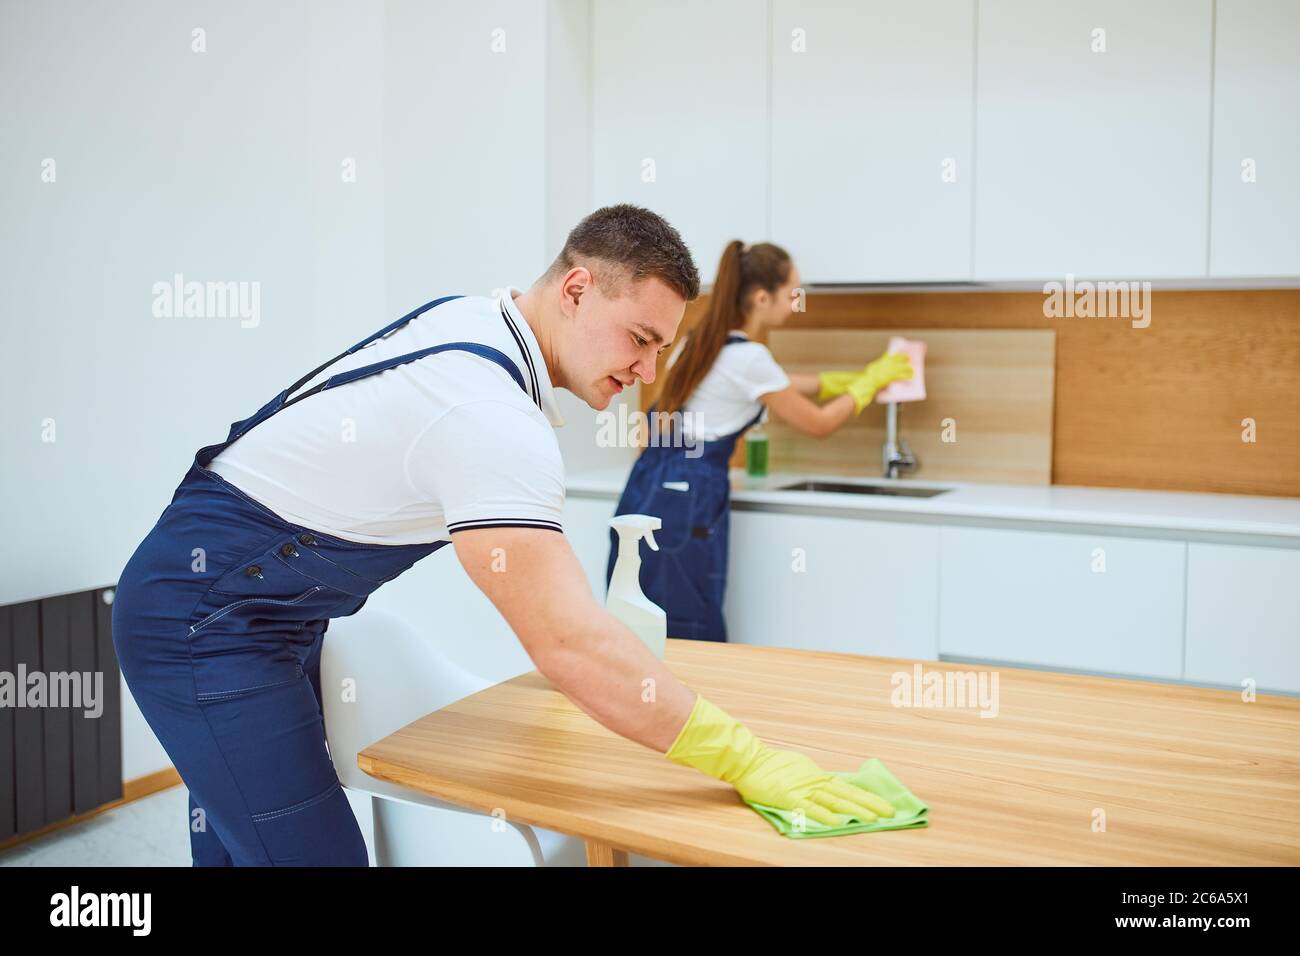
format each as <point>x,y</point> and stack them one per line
<point>398,677</point>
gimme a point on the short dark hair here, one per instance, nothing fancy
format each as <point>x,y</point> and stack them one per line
<point>629,243</point>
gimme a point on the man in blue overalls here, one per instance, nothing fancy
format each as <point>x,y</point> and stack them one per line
<point>221,612</point>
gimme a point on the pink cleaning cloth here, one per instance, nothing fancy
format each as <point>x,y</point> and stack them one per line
<point>906,390</point>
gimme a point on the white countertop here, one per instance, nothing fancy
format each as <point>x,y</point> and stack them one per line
<point>1069,504</point>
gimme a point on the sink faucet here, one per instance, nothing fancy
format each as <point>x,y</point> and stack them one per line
<point>895,454</point>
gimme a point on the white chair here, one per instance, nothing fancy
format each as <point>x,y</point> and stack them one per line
<point>399,677</point>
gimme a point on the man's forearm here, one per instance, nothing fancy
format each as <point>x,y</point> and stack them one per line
<point>608,672</point>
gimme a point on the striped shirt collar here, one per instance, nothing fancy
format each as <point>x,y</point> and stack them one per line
<point>536,375</point>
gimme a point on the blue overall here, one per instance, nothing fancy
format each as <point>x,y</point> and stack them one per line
<point>218,622</point>
<point>687,576</point>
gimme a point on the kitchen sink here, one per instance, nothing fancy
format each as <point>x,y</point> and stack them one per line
<point>845,488</point>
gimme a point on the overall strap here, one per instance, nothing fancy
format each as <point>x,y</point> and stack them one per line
<point>367,342</point>
<point>761,408</point>
<point>753,421</point>
<point>282,401</point>
<point>478,348</point>
<point>731,338</point>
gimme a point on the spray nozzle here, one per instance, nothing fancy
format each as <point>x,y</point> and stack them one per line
<point>631,528</point>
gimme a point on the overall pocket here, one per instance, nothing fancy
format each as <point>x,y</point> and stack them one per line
<point>249,645</point>
<point>673,502</point>
<point>269,603</point>
<point>249,632</point>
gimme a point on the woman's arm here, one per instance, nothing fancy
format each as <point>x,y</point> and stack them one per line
<point>805,384</point>
<point>795,408</point>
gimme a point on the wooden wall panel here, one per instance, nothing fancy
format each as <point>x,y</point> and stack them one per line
<point>993,386</point>
<point>1158,407</point>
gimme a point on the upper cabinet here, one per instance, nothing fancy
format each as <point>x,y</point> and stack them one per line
<point>679,116</point>
<point>960,140</point>
<point>1092,139</point>
<point>872,116</point>
<point>1255,194</point>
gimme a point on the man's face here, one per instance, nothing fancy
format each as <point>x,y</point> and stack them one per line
<point>612,342</point>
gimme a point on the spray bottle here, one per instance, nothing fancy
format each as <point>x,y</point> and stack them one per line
<point>625,599</point>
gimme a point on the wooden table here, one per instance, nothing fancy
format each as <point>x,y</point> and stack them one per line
<point>1073,770</point>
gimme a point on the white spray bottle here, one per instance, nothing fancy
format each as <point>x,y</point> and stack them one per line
<point>625,600</point>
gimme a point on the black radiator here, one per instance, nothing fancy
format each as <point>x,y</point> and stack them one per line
<point>56,759</point>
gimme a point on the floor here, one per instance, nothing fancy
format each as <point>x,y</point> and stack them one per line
<point>150,831</point>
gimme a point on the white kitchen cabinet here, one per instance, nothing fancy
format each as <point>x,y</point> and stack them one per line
<point>679,116</point>
<point>1243,616</point>
<point>1080,601</point>
<point>872,115</point>
<point>831,584</point>
<point>818,583</point>
<point>586,524</point>
<point>1255,192</point>
<point>1093,163</point>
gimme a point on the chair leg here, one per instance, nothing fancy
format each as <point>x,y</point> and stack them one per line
<point>382,854</point>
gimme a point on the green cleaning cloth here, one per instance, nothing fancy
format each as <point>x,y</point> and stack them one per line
<point>909,811</point>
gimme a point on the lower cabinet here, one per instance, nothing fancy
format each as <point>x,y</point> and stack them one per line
<point>833,584</point>
<point>1104,604</point>
<point>586,525</point>
<point>816,583</point>
<point>1085,601</point>
<point>1243,616</point>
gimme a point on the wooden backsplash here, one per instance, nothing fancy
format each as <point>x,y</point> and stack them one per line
<point>987,414</point>
<point>1157,407</point>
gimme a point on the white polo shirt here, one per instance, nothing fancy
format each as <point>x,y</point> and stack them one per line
<point>728,395</point>
<point>413,454</point>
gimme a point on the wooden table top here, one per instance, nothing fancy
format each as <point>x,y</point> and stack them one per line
<point>1178,775</point>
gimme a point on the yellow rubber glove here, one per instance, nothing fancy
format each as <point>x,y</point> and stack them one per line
<point>835,384</point>
<point>715,743</point>
<point>888,368</point>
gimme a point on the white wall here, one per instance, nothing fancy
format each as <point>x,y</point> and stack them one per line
<point>221,165</point>
<point>228,165</point>
<point>464,147</point>
<point>680,117</point>
<point>166,161</point>
<point>569,77</point>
